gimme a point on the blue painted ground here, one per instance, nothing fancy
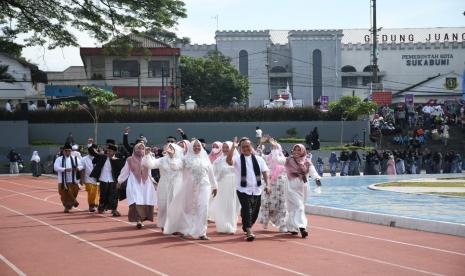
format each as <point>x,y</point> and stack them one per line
<point>351,192</point>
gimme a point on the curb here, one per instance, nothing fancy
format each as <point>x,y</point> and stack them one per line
<point>375,188</point>
<point>389,220</point>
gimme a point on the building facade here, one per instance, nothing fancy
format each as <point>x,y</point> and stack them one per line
<point>334,63</point>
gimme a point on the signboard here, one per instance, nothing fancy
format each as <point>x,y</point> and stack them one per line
<point>324,100</point>
<point>382,97</point>
<point>163,100</point>
<point>409,99</point>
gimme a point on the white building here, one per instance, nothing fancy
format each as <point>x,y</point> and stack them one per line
<point>27,85</point>
<point>338,62</point>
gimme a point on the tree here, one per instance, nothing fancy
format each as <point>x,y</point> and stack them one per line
<point>4,75</point>
<point>48,22</point>
<point>167,37</point>
<point>351,107</point>
<point>99,100</point>
<point>212,81</point>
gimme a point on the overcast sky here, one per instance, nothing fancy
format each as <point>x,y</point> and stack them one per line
<point>200,24</point>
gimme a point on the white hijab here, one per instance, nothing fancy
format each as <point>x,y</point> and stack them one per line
<point>193,159</point>
<point>35,156</point>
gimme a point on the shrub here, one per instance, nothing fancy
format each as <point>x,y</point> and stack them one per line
<point>175,115</point>
<point>292,132</point>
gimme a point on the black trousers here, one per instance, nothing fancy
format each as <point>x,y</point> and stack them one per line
<point>108,196</point>
<point>250,206</point>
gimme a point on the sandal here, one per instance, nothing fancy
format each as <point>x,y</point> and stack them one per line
<point>204,238</point>
<point>303,232</point>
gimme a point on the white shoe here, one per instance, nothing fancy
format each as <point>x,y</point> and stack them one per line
<point>317,190</point>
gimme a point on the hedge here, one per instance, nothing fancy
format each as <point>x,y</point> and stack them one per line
<point>174,115</point>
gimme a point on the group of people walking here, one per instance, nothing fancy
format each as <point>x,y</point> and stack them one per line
<point>194,186</point>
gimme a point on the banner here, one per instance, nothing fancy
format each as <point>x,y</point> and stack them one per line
<point>382,97</point>
<point>324,100</point>
<point>163,100</point>
<point>409,99</point>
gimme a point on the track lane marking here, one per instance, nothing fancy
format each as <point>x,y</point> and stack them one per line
<point>12,266</point>
<point>66,233</point>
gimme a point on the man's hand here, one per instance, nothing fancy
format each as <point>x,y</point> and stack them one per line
<point>179,130</point>
<point>118,185</point>
<point>234,141</point>
<point>68,169</point>
<point>214,192</point>
<point>267,190</point>
<point>126,130</point>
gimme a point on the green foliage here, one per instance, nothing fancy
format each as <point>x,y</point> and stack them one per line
<point>70,105</point>
<point>167,37</point>
<point>351,107</point>
<point>212,81</point>
<point>4,75</point>
<point>42,143</point>
<point>47,22</point>
<point>98,97</point>
<point>174,115</point>
<point>292,132</point>
<point>349,148</point>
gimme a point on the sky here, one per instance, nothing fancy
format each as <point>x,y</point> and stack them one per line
<point>201,24</point>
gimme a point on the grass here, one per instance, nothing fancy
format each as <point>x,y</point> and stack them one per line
<point>423,184</point>
<point>291,140</point>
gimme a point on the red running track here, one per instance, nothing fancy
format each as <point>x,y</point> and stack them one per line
<point>37,238</point>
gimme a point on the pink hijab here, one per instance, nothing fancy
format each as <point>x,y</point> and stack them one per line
<point>213,156</point>
<point>140,172</point>
<point>186,145</point>
<point>275,167</point>
<point>295,166</point>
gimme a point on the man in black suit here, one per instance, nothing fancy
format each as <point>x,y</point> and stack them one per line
<point>106,170</point>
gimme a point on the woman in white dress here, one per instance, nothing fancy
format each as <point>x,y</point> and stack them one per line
<point>273,207</point>
<point>140,190</point>
<point>298,168</point>
<point>225,207</point>
<point>199,179</point>
<point>170,166</point>
<point>216,151</point>
<point>184,144</point>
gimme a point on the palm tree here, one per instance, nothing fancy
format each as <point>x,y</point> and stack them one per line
<point>4,75</point>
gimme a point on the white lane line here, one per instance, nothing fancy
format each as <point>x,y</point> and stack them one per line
<point>13,195</point>
<point>193,242</point>
<point>50,196</point>
<point>86,242</point>
<point>358,256</point>
<point>352,234</point>
<point>388,240</point>
<point>12,266</point>
<point>28,186</point>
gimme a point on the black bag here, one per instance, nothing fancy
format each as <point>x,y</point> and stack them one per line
<point>122,191</point>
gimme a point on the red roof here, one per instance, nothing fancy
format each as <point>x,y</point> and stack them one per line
<point>86,51</point>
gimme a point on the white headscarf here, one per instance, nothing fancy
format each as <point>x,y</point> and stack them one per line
<point>193,159</point>
<point>35,156</point>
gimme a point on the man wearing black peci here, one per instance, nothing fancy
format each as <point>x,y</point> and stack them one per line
<point>106,171</point>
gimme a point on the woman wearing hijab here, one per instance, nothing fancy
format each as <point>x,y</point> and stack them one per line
<point>199,179</point>
<point>273,207</point>
<point>140,191</point>
<point>35,164</point>
<point>216,151</point>
<point>298,167</point>
<point>170,166</point>
<point>391,166</point>
<point>184,144</point>
<point>225,206</point>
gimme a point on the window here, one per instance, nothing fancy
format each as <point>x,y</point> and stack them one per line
<point>278,69</point>
<point>125,68</point>
<point>349,81</point>
<point>317,75</point>
<point>244,63</point>
<point>159,67</point>
<point>367,80</point>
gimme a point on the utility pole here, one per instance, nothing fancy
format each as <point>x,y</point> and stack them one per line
<point>140,92</point>
<point>375,46</point>
<point>268,71</point>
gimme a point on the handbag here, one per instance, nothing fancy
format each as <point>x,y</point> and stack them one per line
<point>122,191</point>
